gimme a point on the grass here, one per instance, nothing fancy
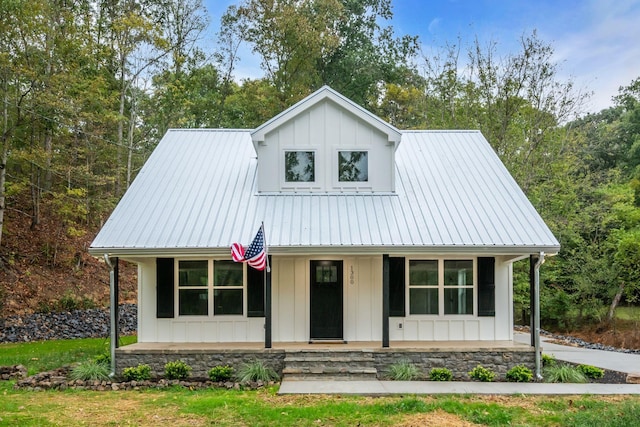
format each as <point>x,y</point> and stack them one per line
<point>46,355</point>
<point>183,407</point>
<point>628,313</point>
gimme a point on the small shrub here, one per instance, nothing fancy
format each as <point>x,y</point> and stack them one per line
<point>440,374</point>
<point>564,374</point>
<point>256,371</point>
<point>404,371</point>
<point>548,360</point>
<point>591,371</point>
<point>221,373</point>
<point>104,359</point>
<point>139,373</point>
<point>90,371</point>
<point>480,373</point>
<point>519,374</point>
<point>177,370</point>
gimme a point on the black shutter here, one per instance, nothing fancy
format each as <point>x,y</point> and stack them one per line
<point>486,286</point>
<point>255,292</point>
<point>396,287</point>
<point>164,288</point>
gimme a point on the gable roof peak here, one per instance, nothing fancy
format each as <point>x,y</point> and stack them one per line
<point>326,92</point>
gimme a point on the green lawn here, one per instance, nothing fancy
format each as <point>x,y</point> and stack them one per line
<point>628,313</point>
<point>45,355</point>
<point>181,407</point>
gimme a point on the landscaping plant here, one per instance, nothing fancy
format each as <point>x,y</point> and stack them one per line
<point>177,370</point>
<point>563,374</point>
<point>591,371</point>
<point>256,371</point>
<point>221,373</point>
<point>548,360</point>
<point>404,371</point>
<point>480,373</point>
<point>519,374</point>
<point>90,371</point>
<point>138,373</point>
<point>440,374</point>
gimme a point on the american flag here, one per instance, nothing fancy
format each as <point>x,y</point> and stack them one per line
<point>255,255</point>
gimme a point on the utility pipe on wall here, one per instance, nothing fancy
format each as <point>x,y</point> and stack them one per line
<point>536,331</point>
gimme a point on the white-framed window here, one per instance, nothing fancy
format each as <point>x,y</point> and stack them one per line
<point>207,287</point>
<point>423,286</point>
<point>458,286</point>
<point>353,166</point>
<point>193,288</point>
<point>441,286</point>
<point>228,287</point>
<point>299,166</point>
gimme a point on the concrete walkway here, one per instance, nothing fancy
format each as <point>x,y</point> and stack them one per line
<point>379,388</point>
<point>611,360</point>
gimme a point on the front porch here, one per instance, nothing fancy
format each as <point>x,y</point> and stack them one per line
<point>352,360</point>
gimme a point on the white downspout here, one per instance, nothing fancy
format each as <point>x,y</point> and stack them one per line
<point>114,306</point>
<point>536,320</point>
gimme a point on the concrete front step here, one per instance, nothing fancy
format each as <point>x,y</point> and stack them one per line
<point>329,365</point>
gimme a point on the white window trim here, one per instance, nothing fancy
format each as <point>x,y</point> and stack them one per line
<point>351,185</point>
<point>307,185</point>
<point>210,290</point>
<point>441,287</point>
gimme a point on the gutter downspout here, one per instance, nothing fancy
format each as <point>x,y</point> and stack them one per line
<point>112,293</point>
<point>536,331</point>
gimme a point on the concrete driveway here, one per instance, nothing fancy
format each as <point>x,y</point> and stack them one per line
<point>611,360</point>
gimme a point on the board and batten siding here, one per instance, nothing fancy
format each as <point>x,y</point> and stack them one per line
<point>362,302</point>
<point>463,327</point>
<point>325,128</point>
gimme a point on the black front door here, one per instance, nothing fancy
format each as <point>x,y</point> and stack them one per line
<point>326,300</point>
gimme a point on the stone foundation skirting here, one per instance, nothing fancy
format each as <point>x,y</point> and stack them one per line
<point>201,361</point>
<point>459,361</point>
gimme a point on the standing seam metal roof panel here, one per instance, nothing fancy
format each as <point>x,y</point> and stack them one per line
<point>198,190</point>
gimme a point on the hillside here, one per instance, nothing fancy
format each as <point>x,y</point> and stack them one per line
<point>48,269</point>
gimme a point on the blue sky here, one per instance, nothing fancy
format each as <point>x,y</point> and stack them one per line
<point>596,42</point>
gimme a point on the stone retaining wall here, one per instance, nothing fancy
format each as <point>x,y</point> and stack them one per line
<point>458,362</point>
<point>199,360</point>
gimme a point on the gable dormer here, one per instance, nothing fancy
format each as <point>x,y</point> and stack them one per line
<point>326,143</point>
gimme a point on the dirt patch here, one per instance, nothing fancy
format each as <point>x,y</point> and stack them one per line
<point>438,418</point>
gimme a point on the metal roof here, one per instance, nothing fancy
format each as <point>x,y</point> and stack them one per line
<point>197,194</point>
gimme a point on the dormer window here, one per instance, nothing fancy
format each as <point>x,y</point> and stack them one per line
<point>299,166</point>
<point>353,166</point>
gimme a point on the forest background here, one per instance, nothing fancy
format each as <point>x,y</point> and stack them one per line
<point>88,88</point>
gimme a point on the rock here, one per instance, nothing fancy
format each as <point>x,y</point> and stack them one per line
<point>633,378</point>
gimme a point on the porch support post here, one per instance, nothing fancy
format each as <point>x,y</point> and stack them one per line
<point>267,309</point>
<point>385,300</point>
<point>532,297</point>
<point>113,292</point>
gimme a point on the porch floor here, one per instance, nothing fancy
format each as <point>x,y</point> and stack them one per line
<point>435,346</point>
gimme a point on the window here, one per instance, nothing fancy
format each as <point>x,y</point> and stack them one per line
<point>193,290</point>
<point>299,166</point>
<point>227,287</point>
<point>441,286</point>
<point>423,287</point>
<point>458,287</point>
<point>353,166</point>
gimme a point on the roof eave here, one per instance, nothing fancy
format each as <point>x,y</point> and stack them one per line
<point>515,250</point>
